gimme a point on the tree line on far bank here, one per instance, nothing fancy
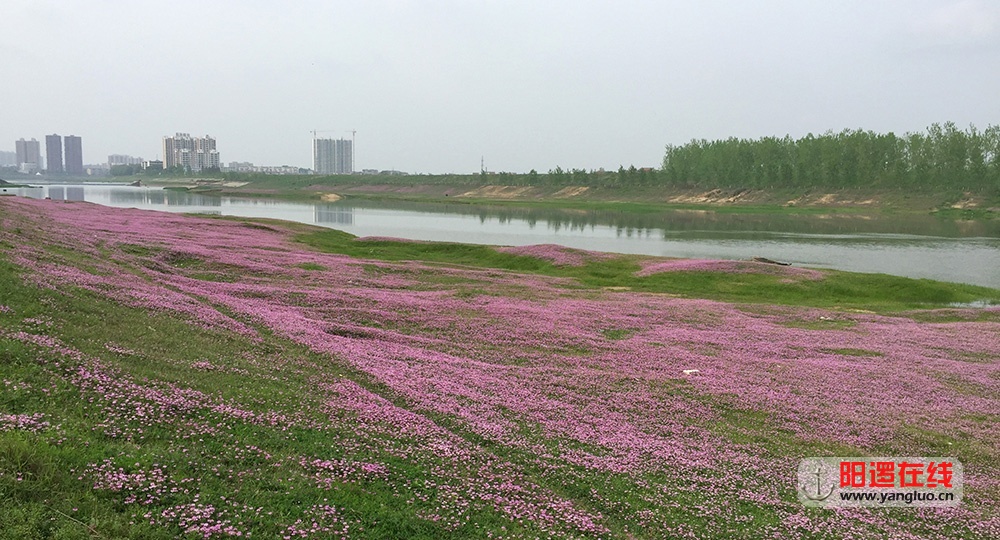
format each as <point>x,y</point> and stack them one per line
<point>942,158</point>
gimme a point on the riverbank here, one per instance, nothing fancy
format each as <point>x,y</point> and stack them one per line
<point>167,375</point>
<point>471,190</point>
<point>5,184</point>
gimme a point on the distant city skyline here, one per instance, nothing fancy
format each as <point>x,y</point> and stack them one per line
<point>62,155</point>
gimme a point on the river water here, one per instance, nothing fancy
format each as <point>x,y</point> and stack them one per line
<point>913,246</point>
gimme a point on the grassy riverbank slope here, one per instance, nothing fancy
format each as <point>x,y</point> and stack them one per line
<point>167,375</point>
<point>521,190</point>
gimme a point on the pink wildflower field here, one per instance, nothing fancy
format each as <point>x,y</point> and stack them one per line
<point>561,412</point>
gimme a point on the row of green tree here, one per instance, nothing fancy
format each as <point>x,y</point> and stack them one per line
<point>944,157</point>
<point>630,176</point>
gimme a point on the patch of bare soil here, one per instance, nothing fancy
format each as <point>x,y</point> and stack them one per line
<point>318,187</point>
<point>832,199</point>
<point>570,191</point>
<point>498,192</point>
<point>967,203</point>
<point>385,188</point>
<point>718,196</point>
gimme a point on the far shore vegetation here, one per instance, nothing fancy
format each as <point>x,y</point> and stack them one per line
<point>945,169</point>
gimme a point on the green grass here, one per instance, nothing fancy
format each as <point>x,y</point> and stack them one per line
<point>819,324</point>
<point>332,241</point>
<point>139,251</point>
<point>311,266</point>
<point>967,214</point>
<point>616,334</point>
<point>847,290</point>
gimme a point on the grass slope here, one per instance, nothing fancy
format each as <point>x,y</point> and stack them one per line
<point>876,292</point>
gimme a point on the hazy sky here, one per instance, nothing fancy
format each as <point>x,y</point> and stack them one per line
<point>433,85</point>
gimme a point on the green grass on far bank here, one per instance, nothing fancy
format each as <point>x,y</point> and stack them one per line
<point>524,191</point>
<point>848,290</point>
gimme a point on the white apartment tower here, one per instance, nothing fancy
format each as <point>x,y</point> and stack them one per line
<point>193,153</point>
<point>333,156</point>
<point>29,155</point>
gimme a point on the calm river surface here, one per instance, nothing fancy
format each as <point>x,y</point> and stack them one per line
<point>914,246</point>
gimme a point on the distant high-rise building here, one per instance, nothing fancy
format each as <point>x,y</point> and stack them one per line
<point>53,153</point>
<point>194,153</point>
<point>168,150</point>
<point>74,155</point>
<point>152,165</point>
<point>205,154</point>
<point>8,159</point>
<point>333,156</point>
<point>121,159</point>
<point>29,155</point>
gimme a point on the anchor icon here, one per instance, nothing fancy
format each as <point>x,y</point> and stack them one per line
<point>819,490</point>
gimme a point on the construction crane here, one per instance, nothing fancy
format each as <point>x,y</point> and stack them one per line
<point>315,131</point>
<point>354,149</point>
<point>353,132</point>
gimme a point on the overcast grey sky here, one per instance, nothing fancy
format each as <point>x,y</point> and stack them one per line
<point>432,85</point>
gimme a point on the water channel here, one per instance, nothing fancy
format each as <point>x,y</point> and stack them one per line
<point>919,246</point>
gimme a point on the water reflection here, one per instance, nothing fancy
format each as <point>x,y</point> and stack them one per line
<point>833,222</point>
<point>686,220</point>
<point>334,215</point>
<point>67,193</point>
<point>156,197</point>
